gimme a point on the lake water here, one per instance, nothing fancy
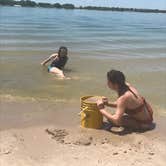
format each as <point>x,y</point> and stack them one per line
<point>97,41</point>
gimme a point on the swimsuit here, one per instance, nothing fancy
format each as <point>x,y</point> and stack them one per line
<point>144,107</point>
<point>58,63</point>
<point>49,68</point>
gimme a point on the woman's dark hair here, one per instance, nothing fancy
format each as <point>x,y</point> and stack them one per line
<point>62,52</point>
<point>116,77</point>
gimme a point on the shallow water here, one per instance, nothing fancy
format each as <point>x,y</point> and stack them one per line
<point>98,41</point>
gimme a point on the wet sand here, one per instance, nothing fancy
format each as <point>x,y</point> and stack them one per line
<point>37,133</point>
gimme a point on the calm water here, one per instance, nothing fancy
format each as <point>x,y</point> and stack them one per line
<point>98,41</point>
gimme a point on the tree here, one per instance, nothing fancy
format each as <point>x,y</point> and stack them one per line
<point>57,5</point>
<point>68,6</point>
<point>46,5</point>
<point>7,2</point>
<point>27,3</point>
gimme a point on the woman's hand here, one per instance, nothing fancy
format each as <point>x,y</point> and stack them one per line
<point>109,104</point>
<point>42,64</point>
<point>53,56</point>
<point>100,104</point>
<point>105,101</point>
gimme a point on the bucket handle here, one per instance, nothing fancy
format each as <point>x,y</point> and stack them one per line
<point>83,109</point>
<point>85,115</point>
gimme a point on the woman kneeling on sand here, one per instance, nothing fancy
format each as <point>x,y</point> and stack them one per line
<point>58,61</point>
<point>132,111</point>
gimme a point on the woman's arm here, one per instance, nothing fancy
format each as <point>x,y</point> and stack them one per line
<point>48,59</point>
<point>109,104</point>
<point>116,118</point>
<point>112,104</point>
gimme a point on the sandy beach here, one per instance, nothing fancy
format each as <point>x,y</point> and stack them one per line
<point>43,136</point>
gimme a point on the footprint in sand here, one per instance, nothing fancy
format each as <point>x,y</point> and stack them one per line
<point>60,134</point>
<point>57,134</point>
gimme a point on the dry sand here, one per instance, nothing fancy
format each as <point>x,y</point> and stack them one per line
<point>30,140</point>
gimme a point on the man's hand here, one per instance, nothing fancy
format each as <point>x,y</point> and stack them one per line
<point>100,104</point>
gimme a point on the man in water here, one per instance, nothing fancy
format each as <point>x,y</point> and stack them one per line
<point>58,61</point>
<point>132,111</point>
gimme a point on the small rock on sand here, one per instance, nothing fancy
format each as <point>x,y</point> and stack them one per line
<point>125,151</point>
<point>115,153</point>
<point>151,153</point>
<point>84,141</point>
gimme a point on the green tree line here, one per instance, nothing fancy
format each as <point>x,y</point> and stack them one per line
<point>29,3</point>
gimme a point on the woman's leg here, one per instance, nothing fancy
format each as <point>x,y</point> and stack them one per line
<point>57,71</point>
<point>131,123</point>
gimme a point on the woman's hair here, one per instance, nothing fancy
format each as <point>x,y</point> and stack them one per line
<point>62,52</point>
<point>116,77</point>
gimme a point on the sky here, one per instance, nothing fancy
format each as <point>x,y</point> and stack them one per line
<point>150,4</point>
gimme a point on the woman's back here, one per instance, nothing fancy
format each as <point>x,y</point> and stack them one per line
<point>134,99</point>
<point>135,105</point>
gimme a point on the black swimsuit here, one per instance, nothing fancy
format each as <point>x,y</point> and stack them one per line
<point>59,62</point>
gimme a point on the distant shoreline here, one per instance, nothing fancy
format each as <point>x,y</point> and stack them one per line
<point>28,3</point>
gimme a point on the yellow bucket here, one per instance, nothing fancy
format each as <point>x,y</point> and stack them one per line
<point>90,114</point>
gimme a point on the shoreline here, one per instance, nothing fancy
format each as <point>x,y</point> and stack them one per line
<point>26,112</point>
<point>93,8</point>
